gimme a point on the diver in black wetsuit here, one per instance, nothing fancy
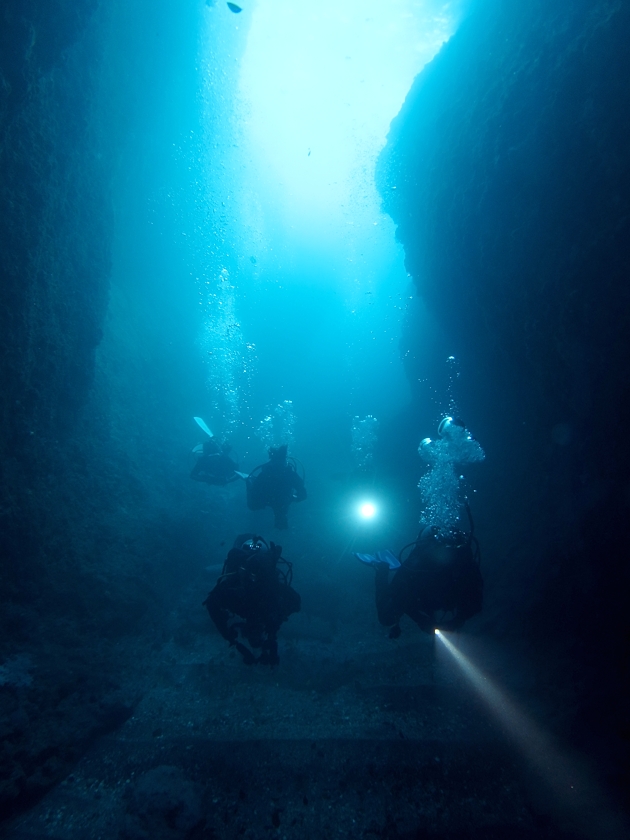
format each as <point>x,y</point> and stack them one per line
<point>275,484</point>
<point>439,584</point>
<point>255,586</point>
<point>214,465</point>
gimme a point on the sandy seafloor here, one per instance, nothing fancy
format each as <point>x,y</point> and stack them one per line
<point>353,735</point>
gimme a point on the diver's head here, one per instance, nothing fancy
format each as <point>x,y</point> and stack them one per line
<point>427,534</point>
<point>210,447</point>
<point>255,544</point>
<point>451,427</point>
<point>436,535</point>
<point>278,454</point>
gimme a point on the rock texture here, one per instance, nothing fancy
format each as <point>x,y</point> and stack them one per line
<point>508,175</point>
<point>88,507</point>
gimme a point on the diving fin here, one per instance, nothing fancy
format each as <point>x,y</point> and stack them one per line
<point>388,557</point>
<point>382,557</point>
<point>241,475</point>
<point>203,426</point>
<point>368,559</point>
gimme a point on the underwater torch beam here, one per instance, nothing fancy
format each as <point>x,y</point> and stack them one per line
<point>577,795</point>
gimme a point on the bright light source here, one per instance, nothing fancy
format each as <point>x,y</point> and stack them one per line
<point>367,510</point>
<point>320,84</point>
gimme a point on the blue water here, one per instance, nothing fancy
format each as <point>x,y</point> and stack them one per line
<point>197,225</point>
<point>229,296</point>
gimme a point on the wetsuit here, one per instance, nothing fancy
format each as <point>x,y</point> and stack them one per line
<point>215,466</point>
<point>275,485</point>
<point>254,589</point>
<point>438,585</point>
<point>215,469</point>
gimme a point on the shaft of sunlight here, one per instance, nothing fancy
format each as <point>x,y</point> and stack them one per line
<point>320,84</point>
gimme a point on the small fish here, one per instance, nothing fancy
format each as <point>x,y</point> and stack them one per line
<point>253,260</point>
<point>309,153</point>
<point>234,8</point>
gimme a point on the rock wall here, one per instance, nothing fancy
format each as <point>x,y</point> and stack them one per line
<point>55,243</point>
<point>508,176</point>
<point>53,202</point>
<point>97,368</point>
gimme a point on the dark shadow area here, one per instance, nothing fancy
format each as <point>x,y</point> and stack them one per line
<point>366,789</point>
<point>512,181</point>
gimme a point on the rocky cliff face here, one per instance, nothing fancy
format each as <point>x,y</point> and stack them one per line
<point>55,243</point>
<point>53,202</point>
<point>92,473</point>
<point>508,175</point>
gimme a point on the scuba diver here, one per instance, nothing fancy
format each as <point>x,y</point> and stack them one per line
<point>255,586</point>
<point>214,465</point>
<point>439,584</point>
<point>275,484</point>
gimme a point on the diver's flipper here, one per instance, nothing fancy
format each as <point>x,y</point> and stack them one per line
<point>388,557</point>
<point>381,558</point>
<point>203,426</point>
